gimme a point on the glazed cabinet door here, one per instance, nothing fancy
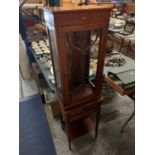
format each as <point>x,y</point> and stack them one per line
<point>80,49</point>
<point>54,51</point>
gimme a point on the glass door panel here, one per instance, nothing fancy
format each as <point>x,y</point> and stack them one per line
<point>82,49</point>
<point>54,52</point>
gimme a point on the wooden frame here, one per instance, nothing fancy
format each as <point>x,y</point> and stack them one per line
<point>63,20</point>
<point>118,88</point>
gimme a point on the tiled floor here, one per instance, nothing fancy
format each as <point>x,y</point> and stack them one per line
<point>27,87</point>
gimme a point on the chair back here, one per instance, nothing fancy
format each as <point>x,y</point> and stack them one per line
<point>129,27</point>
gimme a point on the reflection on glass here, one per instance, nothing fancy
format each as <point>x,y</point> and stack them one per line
<point>55,58</point>
<point>94,53</point>
<point>82,51</point>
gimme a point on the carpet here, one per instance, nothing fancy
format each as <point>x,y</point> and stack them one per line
<point>34,133</point>
<point>110,140</point>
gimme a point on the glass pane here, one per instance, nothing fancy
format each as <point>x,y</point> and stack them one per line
<point>55,57</point>
<point>82,51</point>
<point>94,54</point>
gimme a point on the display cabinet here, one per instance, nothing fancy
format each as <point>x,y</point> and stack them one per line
<point>77,37</point>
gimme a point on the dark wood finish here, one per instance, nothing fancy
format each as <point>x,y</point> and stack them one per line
<point>80,127</point>
<point>77,122</point>
<point>70,33</point>
<point>131,7</point>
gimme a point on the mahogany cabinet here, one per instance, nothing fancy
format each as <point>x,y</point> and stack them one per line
<point>77,38</point>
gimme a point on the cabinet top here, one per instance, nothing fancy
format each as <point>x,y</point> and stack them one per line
<point>78,8</point>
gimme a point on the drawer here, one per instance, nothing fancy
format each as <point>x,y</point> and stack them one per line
<point>85,110</point>
<point>95,17</point>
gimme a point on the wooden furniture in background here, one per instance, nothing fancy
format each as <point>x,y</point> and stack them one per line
<point>129,65</point>
<point>131,7</point>
<point>74,32</point>
<point>118,88</point>
<point>129,92</point>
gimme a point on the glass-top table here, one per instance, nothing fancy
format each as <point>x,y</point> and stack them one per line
<point>46,72</point>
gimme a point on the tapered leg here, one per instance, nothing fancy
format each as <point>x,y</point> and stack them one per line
<point>97,121</point>
<point>122,43</point>
<point>67,131</point>
<point>62,122</point>
<point>124,125</point>
<point>128,48</point>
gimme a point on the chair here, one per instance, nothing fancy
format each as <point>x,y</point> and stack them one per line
<point>128,28</point>
<point>126,40</point>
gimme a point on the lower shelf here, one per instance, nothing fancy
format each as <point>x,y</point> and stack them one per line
<point>80,127</point>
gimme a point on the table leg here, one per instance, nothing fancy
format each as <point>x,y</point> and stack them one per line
<point>128,48</point>
<point>124,125</point>
<point>97,121</point>
<point>67,126</point>
<point>122,43</point>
